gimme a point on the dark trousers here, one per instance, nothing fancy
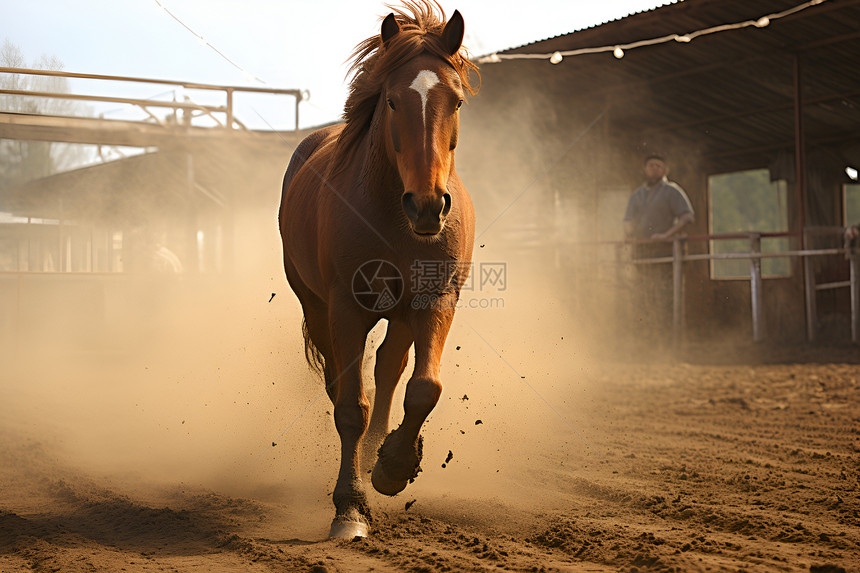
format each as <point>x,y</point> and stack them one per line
<point>653,301</point>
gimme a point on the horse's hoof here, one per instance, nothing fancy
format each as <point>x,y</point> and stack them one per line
<point>385,485</point>
<point>343,529</point>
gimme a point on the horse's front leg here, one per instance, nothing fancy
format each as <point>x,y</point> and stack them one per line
<point>400,454</point>
<point>351,410</point>
<point>391,359</point>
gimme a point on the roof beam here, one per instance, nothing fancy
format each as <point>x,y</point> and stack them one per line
<point>746,113</point>
<point>786,145</point>
<point>633,86</point>
<point>94,131</point>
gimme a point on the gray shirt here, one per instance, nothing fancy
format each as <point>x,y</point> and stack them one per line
<point>656,210</point>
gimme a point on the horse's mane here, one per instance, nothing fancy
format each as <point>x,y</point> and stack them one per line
<point>420,31</point>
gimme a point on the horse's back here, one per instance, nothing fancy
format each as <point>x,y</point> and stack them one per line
<point>299,210</point>
<point>305,150</point>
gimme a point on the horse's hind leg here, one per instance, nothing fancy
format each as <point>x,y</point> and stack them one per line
<point>316,322</point>
<point>400,454</point>
<point>342,371</point>
<point>351,413</point>
<point>391,359</point>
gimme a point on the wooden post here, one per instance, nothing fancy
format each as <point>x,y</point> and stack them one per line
<point>811,307</point>
<point>229,108</point>
<point>60,267</point>
<point>809,292</point>
<point>677,291</point>
<point>755,287</point>
<point>18,327</point>
<point>622,291</point>
<point>809,288</point>
<point>855,294</point>
<point>799,151</point>
<point>192,262</point>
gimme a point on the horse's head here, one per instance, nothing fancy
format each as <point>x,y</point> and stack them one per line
<point>421,99</point>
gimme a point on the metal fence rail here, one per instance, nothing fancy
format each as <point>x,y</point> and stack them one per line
<point>755,256</point>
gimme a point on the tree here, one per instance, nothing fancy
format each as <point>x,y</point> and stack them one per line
<point>22,161</point>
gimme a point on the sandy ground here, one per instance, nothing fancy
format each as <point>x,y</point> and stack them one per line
<point>686,465</point>
<point>191,436</point>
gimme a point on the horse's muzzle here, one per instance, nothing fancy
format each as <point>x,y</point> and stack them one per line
<point>427,215</point>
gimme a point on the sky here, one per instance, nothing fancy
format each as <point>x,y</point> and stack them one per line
<point>295,44</point>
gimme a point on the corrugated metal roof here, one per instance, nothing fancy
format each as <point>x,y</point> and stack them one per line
<point>657,6</point>
<point>731,92</point>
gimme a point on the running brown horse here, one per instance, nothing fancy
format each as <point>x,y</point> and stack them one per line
<point>370,209</point>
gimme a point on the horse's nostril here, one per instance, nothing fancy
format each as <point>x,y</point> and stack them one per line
<point>410,207</point>
<point>446,208</point>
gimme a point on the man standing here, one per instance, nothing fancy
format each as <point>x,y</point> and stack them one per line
<point>658,209</point>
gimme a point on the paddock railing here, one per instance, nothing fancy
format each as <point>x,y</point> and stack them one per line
<point>189,108</point>
<point>755,257</point>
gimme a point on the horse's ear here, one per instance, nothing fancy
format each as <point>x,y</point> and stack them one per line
<point>390,28</point>
<point>452,35</point>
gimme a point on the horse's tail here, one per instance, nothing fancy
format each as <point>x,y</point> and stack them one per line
<point>315,358</point>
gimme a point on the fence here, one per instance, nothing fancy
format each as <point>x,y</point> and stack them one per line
<point>210,111</point>
<point>755,256</point>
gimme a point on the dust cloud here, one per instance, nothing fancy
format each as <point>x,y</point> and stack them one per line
<point>199,380</point>
<point>192,379</point>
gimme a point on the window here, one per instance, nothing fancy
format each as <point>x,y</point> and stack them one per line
<point>748,201</point>
<point>852,204</point>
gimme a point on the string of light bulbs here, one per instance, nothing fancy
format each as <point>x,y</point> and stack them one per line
<point>618,50</point>
<point>248,75</point>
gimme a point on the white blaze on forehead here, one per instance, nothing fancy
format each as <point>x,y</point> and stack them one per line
<point>422,83</point>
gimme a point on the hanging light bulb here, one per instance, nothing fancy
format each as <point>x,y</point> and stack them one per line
<point>851,173</point>
<point>491,59</point>
<point>555,58</point>
<point>618,52</point>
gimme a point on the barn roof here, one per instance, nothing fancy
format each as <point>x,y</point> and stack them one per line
<point>732,92</point>
<point>658,5</point>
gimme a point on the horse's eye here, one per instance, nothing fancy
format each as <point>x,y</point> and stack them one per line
<point>390,104</point>
<point>459,104</point>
